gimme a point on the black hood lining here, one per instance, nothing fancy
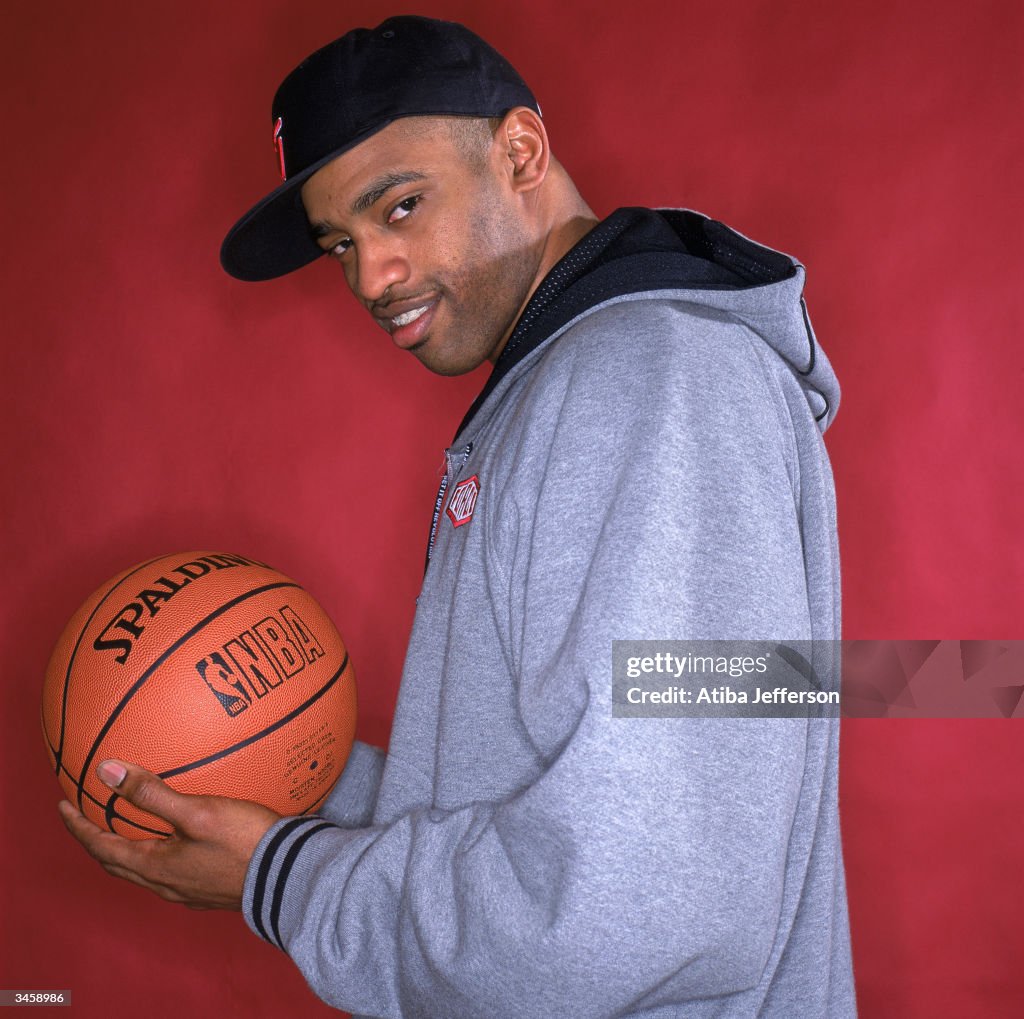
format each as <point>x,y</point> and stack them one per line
<point>637,250</point>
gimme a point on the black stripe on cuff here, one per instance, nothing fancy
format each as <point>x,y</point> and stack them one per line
<point>260,886</point>
<point>286,868</point>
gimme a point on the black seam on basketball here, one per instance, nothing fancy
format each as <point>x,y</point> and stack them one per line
<point>138,827</point>
<point>141,827</point>
<point>263,872</point>
<point>284,720</point>
<point>58,750</point>
<point>110,815</point>
<point>88,795</point>
<point>138,684</point>
<point>116,816</point>
<point>282,876</point>
<point>316,803</point>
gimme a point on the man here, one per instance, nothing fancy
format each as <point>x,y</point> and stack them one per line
<point>644,462</point>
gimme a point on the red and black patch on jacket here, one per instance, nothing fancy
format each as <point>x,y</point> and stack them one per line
<point>463,501</point>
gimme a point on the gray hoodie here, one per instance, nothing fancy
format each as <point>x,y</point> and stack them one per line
<point>647,463</point>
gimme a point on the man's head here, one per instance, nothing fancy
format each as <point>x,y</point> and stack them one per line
<point>439,228</point>
<point>342,95</point>
<point>416,156</point>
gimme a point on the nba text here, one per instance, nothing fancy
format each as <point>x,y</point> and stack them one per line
<point>259,659</point>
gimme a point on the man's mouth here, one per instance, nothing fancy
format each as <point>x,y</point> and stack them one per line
<point>400,313</point>
<point>409,316</point>
<point>410,326</point>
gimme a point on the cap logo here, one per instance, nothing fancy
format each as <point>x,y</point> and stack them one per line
<point>463,501</point>
<point>279,147</point>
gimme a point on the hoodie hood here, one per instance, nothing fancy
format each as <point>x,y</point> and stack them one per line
<point>638,252</point>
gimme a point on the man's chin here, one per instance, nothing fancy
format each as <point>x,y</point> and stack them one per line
<point>447,363</point>
<point>448,370</point>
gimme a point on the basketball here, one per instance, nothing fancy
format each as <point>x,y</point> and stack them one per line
<point>216,672</point>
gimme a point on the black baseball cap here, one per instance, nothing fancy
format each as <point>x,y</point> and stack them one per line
<point>344,93</point>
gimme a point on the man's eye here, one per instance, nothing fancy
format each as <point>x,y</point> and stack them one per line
<point>340,248</point>
<point>403,208</point>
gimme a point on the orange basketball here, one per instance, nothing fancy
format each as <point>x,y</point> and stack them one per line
<point>214,671</point>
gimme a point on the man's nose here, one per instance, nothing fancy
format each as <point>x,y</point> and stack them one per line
<point>378,267</point>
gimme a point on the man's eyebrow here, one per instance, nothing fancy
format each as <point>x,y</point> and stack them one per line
<point>379,187</point>
<point>366,199</point>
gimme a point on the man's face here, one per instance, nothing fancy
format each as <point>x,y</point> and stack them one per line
<point>431,240</point>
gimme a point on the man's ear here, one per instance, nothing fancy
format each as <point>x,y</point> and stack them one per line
<point>524,148</point>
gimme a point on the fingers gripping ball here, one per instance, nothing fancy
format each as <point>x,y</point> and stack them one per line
<point>214,671</point>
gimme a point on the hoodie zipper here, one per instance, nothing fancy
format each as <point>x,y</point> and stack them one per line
<point>455,460</point>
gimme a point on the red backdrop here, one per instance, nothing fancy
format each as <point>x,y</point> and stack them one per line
<point>152,404</point>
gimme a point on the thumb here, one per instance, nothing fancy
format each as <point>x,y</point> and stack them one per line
<point>142,789</point>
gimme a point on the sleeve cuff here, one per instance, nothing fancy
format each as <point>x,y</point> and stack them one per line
<point>269,869</point>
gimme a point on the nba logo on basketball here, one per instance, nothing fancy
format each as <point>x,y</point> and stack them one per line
<point>259,659</point>
<point>463,501</point>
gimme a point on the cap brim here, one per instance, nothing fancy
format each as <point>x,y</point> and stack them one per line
<point>274,238</point>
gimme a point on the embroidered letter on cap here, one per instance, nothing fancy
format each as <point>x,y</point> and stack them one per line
<point>279,147</point>
<point>463,501</point>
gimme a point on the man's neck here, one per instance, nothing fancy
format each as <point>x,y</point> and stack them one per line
<point>573,220</point>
